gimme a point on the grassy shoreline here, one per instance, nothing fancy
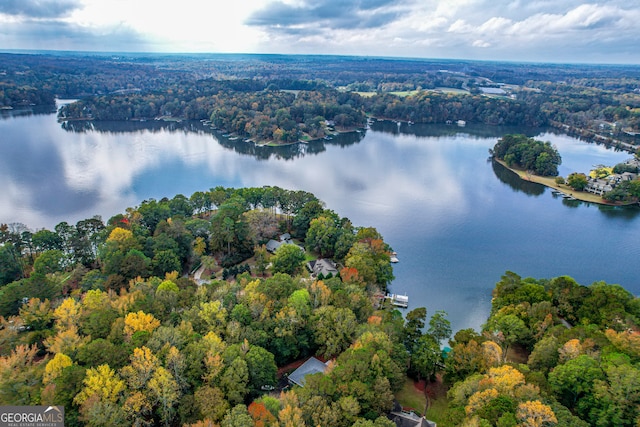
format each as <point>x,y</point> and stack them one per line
<point>550,181</point>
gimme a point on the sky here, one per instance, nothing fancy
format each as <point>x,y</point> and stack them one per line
<point>604,31</point>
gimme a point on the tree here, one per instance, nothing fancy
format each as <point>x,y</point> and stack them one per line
<point>261,416</point>
<point>510,327</point>
<point>426,356</point>
<point>322,235</point>
<point>287,259</point>
<point>262,225</point>
<point>235,380</point>
<point>54,367</point>
<point>214,315</point>
<point>617,397</point>
<point>143,365</point>
<point>334,329</point>
<point>211,403</point>
<point>535,414</point>
<point>165,262</point>
<point>573,383</point>
<point>10,266</point>
<point>415,321</point>
<point>103,383</point>
<point>262,367</point>
<point>465,359</point>
<point>238,416</point>
<point>140,321</point>
<point>165,392</point>
<point>439,326</point>
<point>19,377</point>
<point>577,181</point>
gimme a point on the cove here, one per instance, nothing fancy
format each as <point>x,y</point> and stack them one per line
<point>457,220</point>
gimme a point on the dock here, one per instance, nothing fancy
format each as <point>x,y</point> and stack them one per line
<point>398,300</point>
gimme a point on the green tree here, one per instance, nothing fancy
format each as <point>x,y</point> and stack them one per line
<point>235,380</point>
<point>573,383</point>
<point>577,181</point>
<point>322,235</point>
<point>287,259</point>
<point>238,416</point>
<point>262,367</point>
<point>439,326</point>
<point>426,357</point>
<point>334,329</point>
<point>415,321</point>
<point>10,266</point>
<point>510,329</point>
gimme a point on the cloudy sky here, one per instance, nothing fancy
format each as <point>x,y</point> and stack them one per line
<point>598,31</point>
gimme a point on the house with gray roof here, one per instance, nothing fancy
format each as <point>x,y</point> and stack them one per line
<point>311,366</point>
<point>285,239</point>
<point>322,266</point>
<point>403,418</point>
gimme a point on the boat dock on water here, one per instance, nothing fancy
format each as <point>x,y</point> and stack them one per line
<point>398,300</point>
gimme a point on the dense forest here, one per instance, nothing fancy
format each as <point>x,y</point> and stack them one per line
<point>175,313</point>
<point>243,93</point>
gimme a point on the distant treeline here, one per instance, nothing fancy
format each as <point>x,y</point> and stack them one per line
<point>201,86</point>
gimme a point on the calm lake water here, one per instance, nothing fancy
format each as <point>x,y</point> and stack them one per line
<point>457,221</point>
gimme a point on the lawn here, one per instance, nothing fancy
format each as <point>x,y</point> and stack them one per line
<point>412,396</point>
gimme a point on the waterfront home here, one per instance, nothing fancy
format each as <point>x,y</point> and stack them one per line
<point>324,267</point>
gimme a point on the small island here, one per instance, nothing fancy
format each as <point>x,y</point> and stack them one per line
<point>538,161</point>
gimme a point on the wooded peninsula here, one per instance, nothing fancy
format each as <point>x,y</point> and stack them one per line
<point>200,311</point>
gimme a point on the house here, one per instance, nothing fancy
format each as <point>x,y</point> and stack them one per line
<point>272,245</point>
<point>311,366</point>
<point>322,266</point>
<point>284,239</point>
<point>404,418</point>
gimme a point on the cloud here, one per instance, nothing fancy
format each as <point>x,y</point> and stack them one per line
<point>39,8</point>
<point>61,35</point>
<point>326,15</point>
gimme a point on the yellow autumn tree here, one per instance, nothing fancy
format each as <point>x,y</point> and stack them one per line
<point>480,399</point>
<point>143,364</point>
<point>103,383</point>
<point>138,409</point>
<point>54,367</point>
<point>214,315</point>
<point>505,379</point>
<point>140,321</point>
<point>67,341</point>
<point>94,299</point>
<point>119,235</point>
<point>67,314</point>
<point>535,414</point>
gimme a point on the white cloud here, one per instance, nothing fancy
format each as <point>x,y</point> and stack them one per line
<point>475,29</point>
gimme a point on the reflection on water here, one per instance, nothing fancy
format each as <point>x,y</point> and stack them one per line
<point>286,152</point>
<point>513,180</point>
<point>457,221</point>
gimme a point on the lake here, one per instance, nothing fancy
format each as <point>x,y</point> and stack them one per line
<point>457,220</point>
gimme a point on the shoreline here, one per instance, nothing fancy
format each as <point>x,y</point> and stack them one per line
<point>563,188</point>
